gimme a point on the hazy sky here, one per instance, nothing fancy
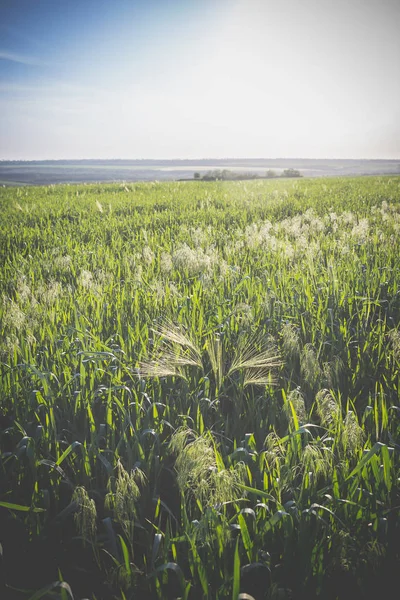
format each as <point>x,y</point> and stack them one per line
<point>199,78</point>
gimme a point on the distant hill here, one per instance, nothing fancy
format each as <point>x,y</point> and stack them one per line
<point>44,172</point>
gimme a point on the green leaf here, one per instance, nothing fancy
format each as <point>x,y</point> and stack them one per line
<point>66,452</point>
<point>21,508</point>
<point>256,491</point>
<point>156,546</point>
<point>171,566</point>
<point>236,572</point>
<point>42,593</point>
<point>247,541</point>
<point>376,448</point>
<point>125,554</point>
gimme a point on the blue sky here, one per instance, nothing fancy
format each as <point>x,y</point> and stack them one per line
<point>199,78</point>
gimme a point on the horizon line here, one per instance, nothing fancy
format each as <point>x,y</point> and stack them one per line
<point>209,158</point>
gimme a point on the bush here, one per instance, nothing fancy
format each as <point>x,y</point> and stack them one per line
<point>291,173</point>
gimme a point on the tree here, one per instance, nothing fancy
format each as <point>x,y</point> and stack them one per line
<point>291,173</point>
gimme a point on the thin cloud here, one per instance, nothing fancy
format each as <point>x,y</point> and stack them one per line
<point>21,59</point>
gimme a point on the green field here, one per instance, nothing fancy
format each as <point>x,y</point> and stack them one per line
<point>199,390</point>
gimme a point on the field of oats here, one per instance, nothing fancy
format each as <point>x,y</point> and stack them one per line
<point>200,390</point>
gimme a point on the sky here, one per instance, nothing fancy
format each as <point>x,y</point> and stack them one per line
<point>199,79</point>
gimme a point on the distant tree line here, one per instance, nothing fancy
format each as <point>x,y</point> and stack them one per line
<point>227,175</point>
<point>285,173</point>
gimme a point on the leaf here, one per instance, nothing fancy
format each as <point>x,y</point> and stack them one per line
<point>171,566</point>
<point>52,586</point>
<point>328,510</point>
<point>376,448</point>
<point>125,554</point>
<point>106,463</point>
<point>276,517</point>
<point>56,467</point>
<point>386,468</point>
<point>257,566</point>
<point>303,429</point>
<point>236,572</point>
<point>255,491</point>
<point>21,508</point>
<point>156,546</point>
<point>201,571</point>
<point>112,539</point>
<point>247,541</point>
